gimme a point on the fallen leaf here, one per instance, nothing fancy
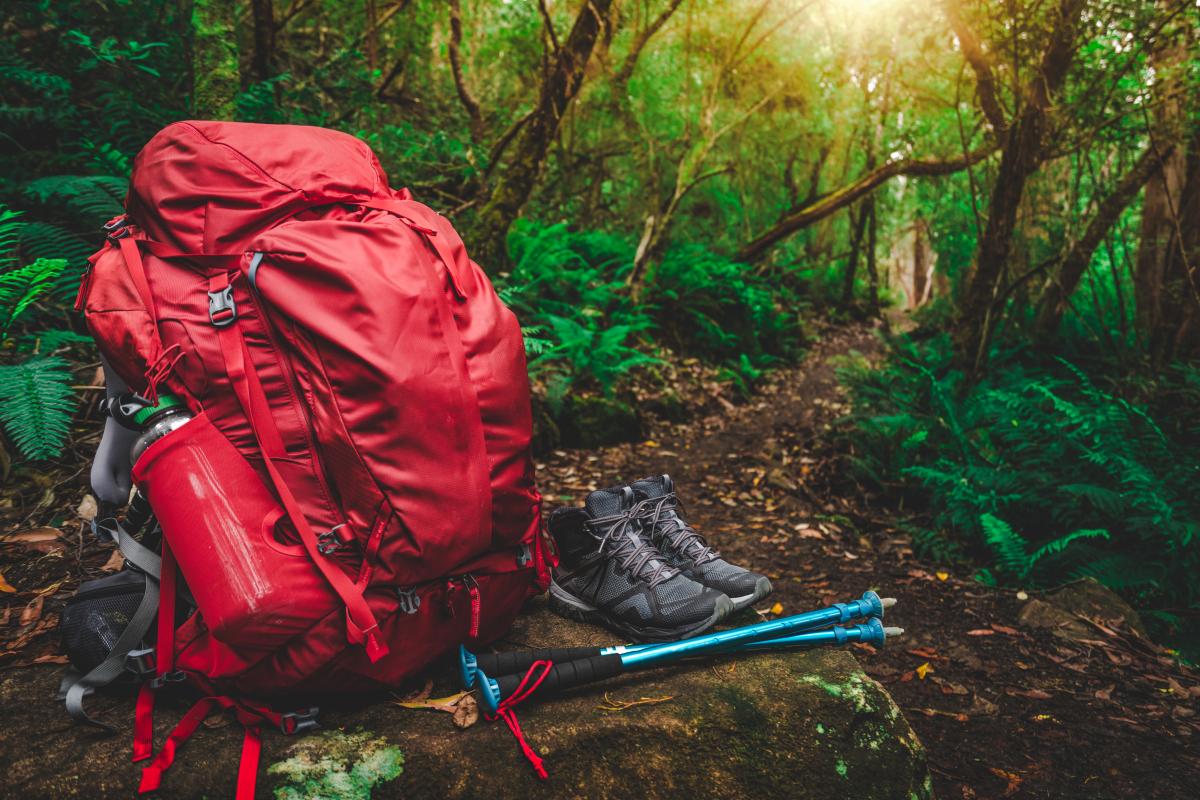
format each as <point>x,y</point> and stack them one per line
<point>1106,692</point>
<point>1014,780</point>
<point>419,694</point>
<point>647,443</point>
<point>114,563</point>
<point>438,704</point>
<point>942,576</point>
<point>924,670</point>
<point>36,537</point>
<point>5,586</point>
<point>1032,694</point>
<point>466,711</point>
<point>51,659</point>
<point>1004,629</point>
<point>777,609</point>
<point>32,612</point>
<point>1177,687</point>
<point>926,652</point>
<point>87,508</point>
<point>981,632</point>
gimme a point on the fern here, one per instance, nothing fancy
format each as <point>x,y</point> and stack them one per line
<point>94,198</point>
<point>11,227</point>
<point>44,342</point>
<point>45,240</point>
<point>19,288</point>
<point>36,405</point>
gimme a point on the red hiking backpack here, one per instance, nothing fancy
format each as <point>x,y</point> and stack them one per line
<point>354,496</point>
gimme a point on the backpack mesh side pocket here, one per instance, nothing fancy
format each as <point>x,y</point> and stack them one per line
<point>96,616</point>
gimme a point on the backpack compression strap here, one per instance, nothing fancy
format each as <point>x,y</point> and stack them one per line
<point>361,627</point>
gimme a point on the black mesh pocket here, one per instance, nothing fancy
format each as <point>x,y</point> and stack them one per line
<point>96,616</point>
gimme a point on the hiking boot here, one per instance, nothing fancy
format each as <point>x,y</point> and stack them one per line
<point>611,575</point>
<point>687,550</point>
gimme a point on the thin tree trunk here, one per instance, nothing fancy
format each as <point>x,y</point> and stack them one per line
<point>264,39</point>
<point>872,246</point>
<point>858,221</point>
<point>1022,155</point>
<point>516,182</point>
<point>469,103</point>
<point>1054,301</point>
<point>215,78</point>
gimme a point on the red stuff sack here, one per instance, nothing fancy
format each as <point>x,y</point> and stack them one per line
<point>355,495</point>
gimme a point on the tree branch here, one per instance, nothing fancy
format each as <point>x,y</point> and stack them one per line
<point>828,204</point>
<point>622,76</point>
<point>981,64</point>
<point>470,104</point>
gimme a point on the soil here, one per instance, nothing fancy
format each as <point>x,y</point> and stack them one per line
<point>1004,710</point>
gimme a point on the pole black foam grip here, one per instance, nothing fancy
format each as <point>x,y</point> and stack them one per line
<point>520,660</point>
<point>567,674</point>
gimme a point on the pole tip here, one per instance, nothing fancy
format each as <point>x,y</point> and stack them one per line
<point>891,631</point>
<point>887,602</point>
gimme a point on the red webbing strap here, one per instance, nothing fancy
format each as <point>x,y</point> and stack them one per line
<point>152,773</point>
<point>361,627</point>
<point>372,548</point>
<point>476,609</point>
<point>137,272</point>
<point>248,769</point>
<point>528,686</point>
<point>143,723</point>
<point>164,645</point>
<point>249,715</point>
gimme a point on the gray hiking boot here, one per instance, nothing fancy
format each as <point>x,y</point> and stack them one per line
<point>687,550</point>
<point>610,574</point>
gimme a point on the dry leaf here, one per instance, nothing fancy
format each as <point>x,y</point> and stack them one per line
<point>114,563</point>
<point>1106,692</point>
<point>942,576</point>
<point>466,711</point>
<point>1014,780</point>
<point>419,694</point>
<point>924,670</point>
<point>51,659</point>
<point>981,632</point>
<point>5,586</point>
<point>647,443</point>
<point>777,609</point>
<point>87,508</point>
<point>1004,629</point>
<point>439,704</point>
<point>32,612</point>
<point>34,537</point>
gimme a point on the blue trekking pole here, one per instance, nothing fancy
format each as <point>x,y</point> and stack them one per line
<point>569,674</point>
<point>471,664</point>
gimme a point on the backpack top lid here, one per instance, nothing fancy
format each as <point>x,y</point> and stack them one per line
<point>209,187</point>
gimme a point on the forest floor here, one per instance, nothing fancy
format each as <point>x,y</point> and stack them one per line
<point>1003,710</point>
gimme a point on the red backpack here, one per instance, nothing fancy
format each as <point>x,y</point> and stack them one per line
<point>354,496</point>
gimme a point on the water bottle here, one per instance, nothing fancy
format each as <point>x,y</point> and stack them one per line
<point>153,421</point>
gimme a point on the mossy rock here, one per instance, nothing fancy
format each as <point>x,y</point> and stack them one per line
<point>592,421</point>
<point>796,725</point>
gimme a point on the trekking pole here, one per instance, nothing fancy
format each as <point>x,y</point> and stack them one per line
<point>568,674</point>
<point>471,664</point>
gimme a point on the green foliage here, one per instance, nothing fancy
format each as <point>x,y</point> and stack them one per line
<point>19,288</point>
<point>36,405</point>
<point>1098,484</point>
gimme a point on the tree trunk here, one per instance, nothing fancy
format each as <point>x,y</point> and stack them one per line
<point>1022,155</point>
<point>215,78</point>
<point>1057,295</point>
<point>858,221</point>
<point>264,39</point>
<point>872,246</point>
<point>517,180</point>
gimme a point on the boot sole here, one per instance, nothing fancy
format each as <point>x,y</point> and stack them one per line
<point>567,605</point>
<point>761,589</point>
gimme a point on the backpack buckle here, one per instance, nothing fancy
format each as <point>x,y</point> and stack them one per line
<point>178,676</point>
<point>328,542</point>
<point>116,228</point>
<point>140,662</point>
<point>410,601</point>
<point>221,309</point>
<point>524,555</point>
<point>299,721</point>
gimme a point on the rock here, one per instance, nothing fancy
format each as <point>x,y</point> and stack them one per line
<point>797,725</point>
<point>592,421</point>
<point>1061,611</point>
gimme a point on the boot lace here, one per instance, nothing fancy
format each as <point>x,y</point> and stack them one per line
<point>632,552</point>
<point>662,516</point>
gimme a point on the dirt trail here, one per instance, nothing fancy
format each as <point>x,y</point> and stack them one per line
<point>1004,711</point>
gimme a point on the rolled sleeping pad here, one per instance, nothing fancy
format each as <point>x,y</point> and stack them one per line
<point>596,667</point>
<point>514,661</point>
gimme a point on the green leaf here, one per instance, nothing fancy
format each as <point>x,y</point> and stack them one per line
<point>36,405</point>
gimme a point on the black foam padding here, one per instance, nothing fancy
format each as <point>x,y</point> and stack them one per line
<point>521,660</point>
<point>567,675</point>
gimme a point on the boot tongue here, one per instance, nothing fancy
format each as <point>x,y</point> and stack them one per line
<point>654,487</point>
<point>606,502</point>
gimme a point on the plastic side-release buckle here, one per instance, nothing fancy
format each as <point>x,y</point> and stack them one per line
<point>177,676</point>
<point>299,721</point>
<point>140,662</point>
<point>330,542</point>
<point>221,309</point>
<point>410,601</point>
<point>524,555</point>
<point>116,228</point>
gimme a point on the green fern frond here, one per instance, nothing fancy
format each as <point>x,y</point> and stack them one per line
<point>36,405</point>
<point>11,226</point>
<point>1060,544</point>
<point>19,288</point>
<point>46,342</point>
<point>95,198</point>
<point>1010,547</point>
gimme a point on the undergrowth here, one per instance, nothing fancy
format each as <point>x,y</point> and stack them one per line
<point>1041,472</point>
